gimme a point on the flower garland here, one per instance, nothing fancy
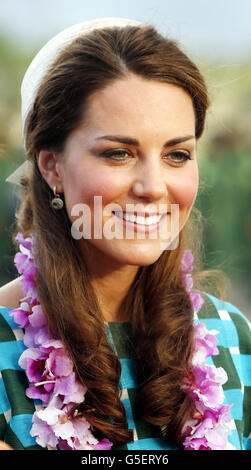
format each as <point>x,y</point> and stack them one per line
<point>52,379</point>
<point>49,370</point>
<point>208,427</point>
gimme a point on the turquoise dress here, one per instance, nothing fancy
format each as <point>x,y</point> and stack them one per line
<point>234,346</point>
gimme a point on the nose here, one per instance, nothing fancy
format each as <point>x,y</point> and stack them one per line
<point>150,181</point>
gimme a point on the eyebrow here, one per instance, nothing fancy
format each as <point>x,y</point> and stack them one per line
<point>135,142</point>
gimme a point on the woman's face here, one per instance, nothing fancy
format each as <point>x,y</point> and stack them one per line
<point>122,152</point>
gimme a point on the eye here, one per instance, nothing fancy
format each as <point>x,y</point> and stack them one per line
<point>179,157</point>
<point>117,154</point>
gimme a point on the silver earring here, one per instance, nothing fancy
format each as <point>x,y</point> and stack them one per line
<point>56,203</point>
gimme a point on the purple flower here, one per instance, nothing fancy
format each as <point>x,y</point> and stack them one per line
<point>50,343</point>
<point>28,282</point>
<point>38,393</point>
<point>51,371</point>
<point>206,390</point>
<point>20,260</point>
<point>69,389</point>
<point>196,300</point>
<point>29,314</point>
<point>37,318</point>
<point>26,242</point>
<point>54,425</point>
<point>77,433</point>
<point>211,433</point>
<point>196,443</point>
<point>40,337</point>
<point>187,266</point>
<point>31,353</point>
<point>204,344</point>
<point>188,281</point>
<point>21,315</point>
<point>34,369</point>
<point>58,363</point>
<point>43,432</point>
<point>30,336</point>
<point>187,261</point>
<point>25,265</point>
<point>33,361</point>
<point>59,366</point>
<point>105,444</point>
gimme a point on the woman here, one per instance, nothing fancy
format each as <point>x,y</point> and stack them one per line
<point>112,110</point>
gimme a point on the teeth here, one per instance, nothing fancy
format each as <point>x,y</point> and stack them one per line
<point>140,219</point>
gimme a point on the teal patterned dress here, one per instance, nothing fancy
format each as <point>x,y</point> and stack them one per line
<point>234,346</point>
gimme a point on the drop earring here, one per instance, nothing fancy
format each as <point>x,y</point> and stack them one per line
<point>56,203</point>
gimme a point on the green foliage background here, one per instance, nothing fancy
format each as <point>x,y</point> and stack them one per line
<point>224,155</point>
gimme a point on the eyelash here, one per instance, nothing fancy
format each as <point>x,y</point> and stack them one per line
<point>112,153</point>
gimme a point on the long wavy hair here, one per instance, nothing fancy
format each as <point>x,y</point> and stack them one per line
<point>157,303</point>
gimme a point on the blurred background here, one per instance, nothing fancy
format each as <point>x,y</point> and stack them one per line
<point>217,36</point>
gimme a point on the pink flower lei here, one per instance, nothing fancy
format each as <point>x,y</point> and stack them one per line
<point>52,379</point>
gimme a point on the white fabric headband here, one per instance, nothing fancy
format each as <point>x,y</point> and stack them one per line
<point>43,61</point>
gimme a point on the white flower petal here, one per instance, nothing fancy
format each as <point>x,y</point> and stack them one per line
<point>33,353</point>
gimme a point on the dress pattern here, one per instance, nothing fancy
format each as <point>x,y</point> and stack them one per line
<point>234,345</point>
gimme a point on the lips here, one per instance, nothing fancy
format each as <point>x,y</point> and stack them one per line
<point>133,217</point>
<point>141,214</point>
<point>140,223</point>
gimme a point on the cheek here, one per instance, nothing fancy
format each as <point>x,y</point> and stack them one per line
<point>186,190</point>
<point>88,183</point>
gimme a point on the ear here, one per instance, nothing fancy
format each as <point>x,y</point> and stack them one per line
<point>50,169</point>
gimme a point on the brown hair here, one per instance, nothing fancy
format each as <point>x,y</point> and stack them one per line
<point>157,303</point>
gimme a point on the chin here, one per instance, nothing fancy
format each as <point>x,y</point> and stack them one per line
<point>139,255</point>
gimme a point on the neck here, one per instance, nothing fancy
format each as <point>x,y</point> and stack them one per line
<point>111,281</point>
<point>111,289</point>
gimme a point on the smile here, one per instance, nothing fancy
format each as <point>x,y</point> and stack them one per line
<point>139,222</point>
<point>139,219</point>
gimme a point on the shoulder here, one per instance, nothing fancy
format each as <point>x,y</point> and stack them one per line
<point>233,334</point>
<point>16,409</point>
<point>234,346</point>
<point>10,296</point>
<point>11,347</point>
<point>11,293</point>
<point>233,326</point>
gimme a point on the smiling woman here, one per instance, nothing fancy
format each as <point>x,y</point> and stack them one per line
<point>112,111</point>
<point>125,171</point>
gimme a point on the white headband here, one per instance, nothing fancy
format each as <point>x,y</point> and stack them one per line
<point>43,61</point>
